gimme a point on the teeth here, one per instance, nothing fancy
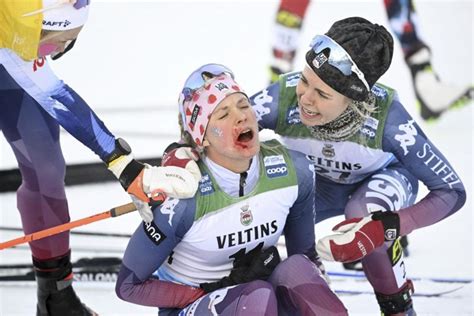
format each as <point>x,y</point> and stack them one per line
<point>245,131</point>
<point>309,112</point>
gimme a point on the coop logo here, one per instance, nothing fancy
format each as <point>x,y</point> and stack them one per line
<point>368,131</point>
<point>153,233</point>
<point>275,166</point>
<point>370,127</point>
<point>277,171</point>
<point>205,185</point>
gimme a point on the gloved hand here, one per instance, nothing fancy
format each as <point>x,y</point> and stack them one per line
<point>157,183</point>
<point>358,237</point>
<point>183,156</point>
<point>173,181</point>
<point>255,265</point>
<point>145,181</point>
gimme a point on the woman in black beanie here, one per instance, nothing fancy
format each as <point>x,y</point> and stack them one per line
<point>369,154</point>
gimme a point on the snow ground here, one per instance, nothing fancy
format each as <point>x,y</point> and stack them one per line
<point>129,64</point>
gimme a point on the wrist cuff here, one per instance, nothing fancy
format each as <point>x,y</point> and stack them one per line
<point>130,173</point>
<point>118,165</point>
<point>391,224</point>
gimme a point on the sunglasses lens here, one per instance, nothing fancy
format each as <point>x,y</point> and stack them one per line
<point>338,57</point>
<point>206,72</point>
<point>197,79</point>
<point>187,94</point>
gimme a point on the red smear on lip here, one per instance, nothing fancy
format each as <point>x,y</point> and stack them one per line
<point>237,143</point>
<point>241,145</point>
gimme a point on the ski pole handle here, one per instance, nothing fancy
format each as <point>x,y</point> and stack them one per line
<point>114,212</point>
<point>122,209</point>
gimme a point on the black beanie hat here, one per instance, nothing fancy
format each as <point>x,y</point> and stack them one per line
<point>370,47</point>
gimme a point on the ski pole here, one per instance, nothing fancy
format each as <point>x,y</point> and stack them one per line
<point>113,212</point>
<point>78,233</point>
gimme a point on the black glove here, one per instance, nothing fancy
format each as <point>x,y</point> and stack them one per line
<point>255,265</point>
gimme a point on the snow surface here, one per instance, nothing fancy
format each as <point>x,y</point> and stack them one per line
<point>130,62</point>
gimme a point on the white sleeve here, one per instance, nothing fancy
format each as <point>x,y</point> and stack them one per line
<point>35,77</point>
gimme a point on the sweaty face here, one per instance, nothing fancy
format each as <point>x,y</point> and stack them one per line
<point>53,42</point>
<point>318,103</point>
<point>231,138</point>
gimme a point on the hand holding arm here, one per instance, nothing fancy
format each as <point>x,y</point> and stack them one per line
<point>183,156</point>
<point>358,237</point>
<point>145,181</point>
<point>255,265</point>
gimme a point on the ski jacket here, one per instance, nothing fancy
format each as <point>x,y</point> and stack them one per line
<point>195,240</point>
<point>389,136</point>
<point>37,79</point>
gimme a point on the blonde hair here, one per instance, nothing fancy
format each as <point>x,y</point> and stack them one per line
<point>364,108</point>
<point>46,32</point>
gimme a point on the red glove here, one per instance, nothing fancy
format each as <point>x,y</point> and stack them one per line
<point>183,156</point>
<point>359,237</point>
<point>179,155</point>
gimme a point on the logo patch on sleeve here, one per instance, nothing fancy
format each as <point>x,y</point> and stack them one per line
<point>154,233</point>
<point>293,115</point>
<point>205,185</point>
<point>379,92</point>
<point>292,80</point>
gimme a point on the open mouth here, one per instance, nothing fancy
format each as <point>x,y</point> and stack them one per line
<point>245,135</point>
